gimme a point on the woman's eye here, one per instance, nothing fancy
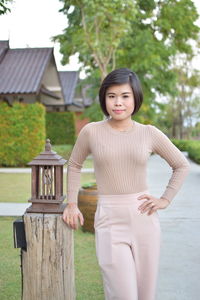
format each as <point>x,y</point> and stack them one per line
<point>125,96</point>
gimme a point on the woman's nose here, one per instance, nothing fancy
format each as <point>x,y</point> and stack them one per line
<point>118,101</point>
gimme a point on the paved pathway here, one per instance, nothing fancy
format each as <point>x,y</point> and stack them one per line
<point>179,271</point>
<point>180,251</point>
<point>28,170</point>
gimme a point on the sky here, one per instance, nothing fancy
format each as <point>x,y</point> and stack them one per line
<point>32,23</point>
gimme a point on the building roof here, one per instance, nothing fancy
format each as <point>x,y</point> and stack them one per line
<point>4,46</point>
<point>69,81</point>
<point>21,70</point>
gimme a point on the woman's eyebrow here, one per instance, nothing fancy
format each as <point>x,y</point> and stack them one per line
<point>112,93</point>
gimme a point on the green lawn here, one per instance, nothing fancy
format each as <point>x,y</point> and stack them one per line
<point>88,279</point>
<point>16,187</point>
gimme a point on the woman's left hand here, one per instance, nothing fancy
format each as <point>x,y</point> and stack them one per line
<point>152,204</point>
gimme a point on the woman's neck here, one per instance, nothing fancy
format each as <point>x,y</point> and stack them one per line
<point>121,125</point>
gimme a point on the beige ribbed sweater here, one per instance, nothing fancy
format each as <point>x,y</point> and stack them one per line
<point>120,159</point>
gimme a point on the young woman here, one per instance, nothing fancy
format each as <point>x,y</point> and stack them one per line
<point>127,225</point>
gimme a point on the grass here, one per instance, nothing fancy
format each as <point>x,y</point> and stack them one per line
<point>88,279</point>
<point>16,187</point>
<point>9,262</point>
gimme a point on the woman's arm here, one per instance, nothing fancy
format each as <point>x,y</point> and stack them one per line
<point>162,145</point>
<point>78,155</point>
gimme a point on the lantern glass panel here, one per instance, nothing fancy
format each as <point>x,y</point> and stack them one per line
<point>46,182</point>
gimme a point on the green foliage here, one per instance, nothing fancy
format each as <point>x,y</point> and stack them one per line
<point>95,29</point>
<point>63,150</point>
<point>22,133</point>
<point>143,35</point>
<point>60,127</point>
<point>194,151</point>
<point>157,34</point>
<point>4,6</point>
<point>182,144</point>
<point>93,112</point>
<point>191,146</point>
<point>91,184</point>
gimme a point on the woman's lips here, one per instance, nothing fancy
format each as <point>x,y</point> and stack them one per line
<point>118,111</point>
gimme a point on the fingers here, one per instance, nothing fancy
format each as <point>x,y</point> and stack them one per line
<point>72,218</point>
<point>81,219</point>
<point>152,210</point>
<point>144,196</point>
<point>148,205</point>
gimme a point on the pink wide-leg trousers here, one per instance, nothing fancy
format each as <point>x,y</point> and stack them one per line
<point>127,247</point>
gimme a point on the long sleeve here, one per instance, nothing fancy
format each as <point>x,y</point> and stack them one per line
<point>162,145</point>
<point>79,153</point>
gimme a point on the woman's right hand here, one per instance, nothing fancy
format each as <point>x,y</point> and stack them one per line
<point>71,215</point>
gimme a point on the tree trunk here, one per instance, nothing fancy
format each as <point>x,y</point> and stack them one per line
<point>48,264</point>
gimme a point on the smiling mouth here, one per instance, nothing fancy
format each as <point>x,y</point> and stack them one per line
<point>118,111</point>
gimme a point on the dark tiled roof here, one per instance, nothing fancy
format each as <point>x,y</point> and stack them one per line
<point>4,46</point>
<point>69,81</point>
<point>48,93</point>
<point>21,70</point>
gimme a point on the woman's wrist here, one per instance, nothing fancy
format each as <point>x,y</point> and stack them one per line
<point>72,204</point>
<point>165,199</point>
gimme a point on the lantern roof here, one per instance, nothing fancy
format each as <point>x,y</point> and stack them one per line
<point>48,157</point>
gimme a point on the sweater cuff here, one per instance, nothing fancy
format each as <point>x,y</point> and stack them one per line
<point>165,199</point>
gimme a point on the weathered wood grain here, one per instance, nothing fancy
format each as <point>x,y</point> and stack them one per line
<point>48,264</point>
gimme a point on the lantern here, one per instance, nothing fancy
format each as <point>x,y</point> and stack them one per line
<point>47,182</point>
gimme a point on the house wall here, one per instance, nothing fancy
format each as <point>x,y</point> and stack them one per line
<point>49,100</point>
<point>55,108</point>
<point>28,98</point>
<point>51,81</point>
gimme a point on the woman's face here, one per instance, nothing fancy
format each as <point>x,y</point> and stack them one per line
<point>120,101</point>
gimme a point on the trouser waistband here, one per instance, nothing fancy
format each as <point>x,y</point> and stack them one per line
<point>120,199</point>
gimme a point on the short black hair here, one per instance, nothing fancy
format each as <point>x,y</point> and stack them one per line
<point>121,76</point>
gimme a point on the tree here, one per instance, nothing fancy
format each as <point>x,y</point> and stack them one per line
<point>159,31</point>
<point>4,6</point>
<point>184,108</point>
<point>153,32</point>
<point>95,29</point>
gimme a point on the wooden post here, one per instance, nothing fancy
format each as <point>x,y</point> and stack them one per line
<point>48,264</point>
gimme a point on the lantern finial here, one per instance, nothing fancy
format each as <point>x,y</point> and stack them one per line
<point>48,145</point>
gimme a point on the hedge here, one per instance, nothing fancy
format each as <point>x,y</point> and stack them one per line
<point>191,146</point>
<point>22,133</point>
<point>60,127</point>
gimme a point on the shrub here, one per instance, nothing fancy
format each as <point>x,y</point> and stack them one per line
<point>181,144</point>
<point>60,127</point>
<point>191,146</point>
<point>22,133</point>
<point>194,151</point>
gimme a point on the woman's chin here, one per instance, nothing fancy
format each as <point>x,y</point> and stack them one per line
<point>119,117</point>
